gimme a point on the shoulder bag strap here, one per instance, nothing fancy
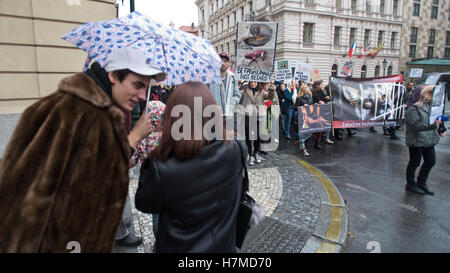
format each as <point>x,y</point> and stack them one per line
<point>245,183</point>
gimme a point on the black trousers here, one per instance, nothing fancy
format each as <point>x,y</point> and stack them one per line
<point>256,143</point>
<point>415,157</point>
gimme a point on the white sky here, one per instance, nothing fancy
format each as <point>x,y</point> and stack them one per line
<point>181,12</point>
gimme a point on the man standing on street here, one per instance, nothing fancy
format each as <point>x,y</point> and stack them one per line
<point>226,93</point>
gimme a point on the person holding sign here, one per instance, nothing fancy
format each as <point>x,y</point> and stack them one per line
<point>421,137</point>
<point>254,108</point>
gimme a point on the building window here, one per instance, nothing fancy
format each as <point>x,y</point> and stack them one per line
<point>447,39</point>
<point>308,29</point>
<point>203,15</point>
<point>221,25</point>
<point>430,52</point>
<point>434,9</point>
<point>334,70</point>
<point>382,5</point>
<point>413,36</point>
<point>368,6</point>
<point>242,13</point>
<point>389,70</point>
<point>447,52</point>
<point>377,71</point>
<point>354,5</point>
<point>339,4</point>
<point>352,36</point>
<point>412,51</point>
<point>366,37</point>
<point>363,71</point>
<point>416,8</point>
<point>393,39</point>
<point>309,2</point>
<point>395,8</point>
<point>432,37</point>
<point>234,18</point>
<point>337,36</point>
<point>380,37</point>
<point>212,8</point>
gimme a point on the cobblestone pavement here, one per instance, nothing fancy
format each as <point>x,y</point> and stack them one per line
<point>292,201</point>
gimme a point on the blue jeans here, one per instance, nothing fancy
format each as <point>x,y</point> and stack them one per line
<point>289,114</point>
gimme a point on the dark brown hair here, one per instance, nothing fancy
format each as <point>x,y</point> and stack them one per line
<point>185,149</point>
<point>121,74</point>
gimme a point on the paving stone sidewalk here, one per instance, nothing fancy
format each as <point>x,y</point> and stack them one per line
<point>298,212</point>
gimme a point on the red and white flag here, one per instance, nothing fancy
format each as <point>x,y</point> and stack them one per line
<point>365,51</point>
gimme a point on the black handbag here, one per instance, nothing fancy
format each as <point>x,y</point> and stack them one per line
<point>245,207</point>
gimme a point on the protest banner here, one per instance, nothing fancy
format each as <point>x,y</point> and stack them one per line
<point>306,72</point>
<point>347,69</point>
<point>283,70</point>
<point>438,102</point>
<point>367,102</point>
<point>255,50</point>
<point>314,118</point>
<point>416,73</point>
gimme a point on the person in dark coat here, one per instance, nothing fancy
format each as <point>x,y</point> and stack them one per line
<point>64,174</point>
<point>194,184</point>
<point>421,137</point>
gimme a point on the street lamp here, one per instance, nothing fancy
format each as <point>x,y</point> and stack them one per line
<point>384,66</point>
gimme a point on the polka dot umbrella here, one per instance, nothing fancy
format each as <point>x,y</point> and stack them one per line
<point>182,56</point>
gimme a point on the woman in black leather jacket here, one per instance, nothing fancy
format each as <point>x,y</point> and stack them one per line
<point>194,184</point>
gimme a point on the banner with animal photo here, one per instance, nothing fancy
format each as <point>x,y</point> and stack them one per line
<point>306,72</point>
<point>367,102</point>
<point>314,118</point>
<point>283,70</point>
<point>255,50</point>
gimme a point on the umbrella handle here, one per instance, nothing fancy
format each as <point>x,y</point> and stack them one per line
<point>86,64</point>
<point>148,94</point>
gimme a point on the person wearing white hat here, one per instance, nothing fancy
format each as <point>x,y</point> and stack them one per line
<point>64,173</point>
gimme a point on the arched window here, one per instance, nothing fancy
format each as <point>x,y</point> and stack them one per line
<point>334,70</point>
<point>377,71</point>
<point>390,70</point>
<point>363,71</point>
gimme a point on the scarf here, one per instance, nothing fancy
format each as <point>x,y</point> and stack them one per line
<point>100,77</point>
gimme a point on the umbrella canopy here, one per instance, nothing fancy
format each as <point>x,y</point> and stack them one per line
<point>182,56</point>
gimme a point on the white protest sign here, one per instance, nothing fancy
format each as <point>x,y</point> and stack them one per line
<point>416,73</point>
<point>283,70</point>
<point>303,72</point>
<point>438,103</point>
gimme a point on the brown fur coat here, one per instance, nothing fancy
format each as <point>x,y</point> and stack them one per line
<point>64,173</point>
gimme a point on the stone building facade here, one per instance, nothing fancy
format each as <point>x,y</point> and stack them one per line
<point>314,31</point>
<point>426,31</point>
<point>34,57</point>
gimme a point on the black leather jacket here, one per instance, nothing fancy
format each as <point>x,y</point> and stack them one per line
<point>197,200</point>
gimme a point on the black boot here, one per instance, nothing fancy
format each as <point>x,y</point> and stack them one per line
<point>413,188</point>
<point>130,240</point>
<point>425,189</point>
<point>318,147</point>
